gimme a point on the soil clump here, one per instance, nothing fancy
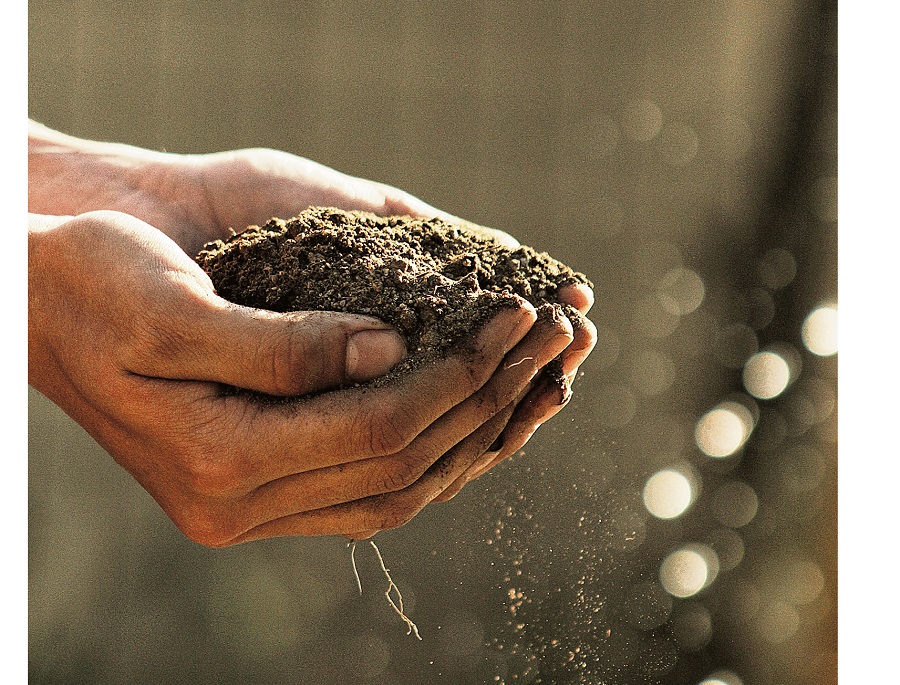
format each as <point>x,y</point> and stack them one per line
<point>436,282</point>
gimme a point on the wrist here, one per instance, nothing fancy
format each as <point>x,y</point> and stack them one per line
<point>40,269</point>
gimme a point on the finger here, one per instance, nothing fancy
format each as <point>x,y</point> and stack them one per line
<point>510,447</point>
<point>386,511</point>
<point>181,330</point>
<point>540,404</point>
<point>363,422</point>
<point>357,480</point>
<point>550,394</point>
<point>283,354</point>
<point>456,486</point>
<point>488,456</point>
<point>583,342</point>
<point>362,535</point>
<point>577,295</point>
<point>516,440</point>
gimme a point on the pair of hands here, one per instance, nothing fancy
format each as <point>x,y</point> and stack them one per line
<point>127,335</point>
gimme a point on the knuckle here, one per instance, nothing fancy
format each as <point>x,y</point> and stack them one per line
<point>210,476</point>
<point>391,475</point>
<point>396,512</point>
<point>205,525</point>
<point>152,339</point>
<point>286,360</point>
<point>389,430</point>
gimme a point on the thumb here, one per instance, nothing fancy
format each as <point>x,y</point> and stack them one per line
<point>286,354</point>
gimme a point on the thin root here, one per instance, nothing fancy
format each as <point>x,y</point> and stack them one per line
<point>395,605</point>
<point>352,546</point>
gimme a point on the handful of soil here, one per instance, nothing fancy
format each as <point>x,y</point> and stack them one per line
<point>436,282</point>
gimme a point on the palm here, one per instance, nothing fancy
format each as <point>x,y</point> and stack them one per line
<point>232,190</point>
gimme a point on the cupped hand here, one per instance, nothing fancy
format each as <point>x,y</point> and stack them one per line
<point>193,199</point>
<point>248,186</point>
<point>127,335</point>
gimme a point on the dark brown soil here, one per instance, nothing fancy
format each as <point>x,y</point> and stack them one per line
<point>437,283</point>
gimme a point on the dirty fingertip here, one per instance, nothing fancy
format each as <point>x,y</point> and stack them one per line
<point>578,295</point>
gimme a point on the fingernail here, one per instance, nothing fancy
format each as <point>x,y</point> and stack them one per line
<point>373,353</point>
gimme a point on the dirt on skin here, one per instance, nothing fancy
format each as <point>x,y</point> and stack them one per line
<point>436,282</point>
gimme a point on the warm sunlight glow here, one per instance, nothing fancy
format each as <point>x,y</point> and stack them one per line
<point>820,331</point>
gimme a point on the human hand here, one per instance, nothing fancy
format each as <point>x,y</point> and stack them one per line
<point>197,198</point>
<point>248,186</point>
<point>127,335</point>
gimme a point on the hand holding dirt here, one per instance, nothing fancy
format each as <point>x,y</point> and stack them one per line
<point>139,356</point>
<point>128,336</point>
<point>437,282</point>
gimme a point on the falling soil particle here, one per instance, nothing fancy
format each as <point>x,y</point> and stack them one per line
<point>436,282</point>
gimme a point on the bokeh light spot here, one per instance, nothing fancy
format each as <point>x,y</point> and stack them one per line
<point>728,546</point>
<point>722,678</point>
<point>734,504</point>
<point>652,320</point>
<point>791,355</point>
<point>681,291</point>
<point>691,625</point>
<point>777,622</point>
<point>684,573</point>
<point>652,372</point>
<point>710,558</point>
<point>820,331</point>
<point>678,144</point>
<point>641,120</point>
<point>777,268</point>
<point>766,375</point>
<point>802,581</point>
<point>723,430</point>
<point>667,494</point>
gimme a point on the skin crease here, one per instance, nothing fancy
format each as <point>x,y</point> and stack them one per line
<point>127,335</point>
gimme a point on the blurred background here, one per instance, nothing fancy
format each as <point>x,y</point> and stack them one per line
<point>677,522</point>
